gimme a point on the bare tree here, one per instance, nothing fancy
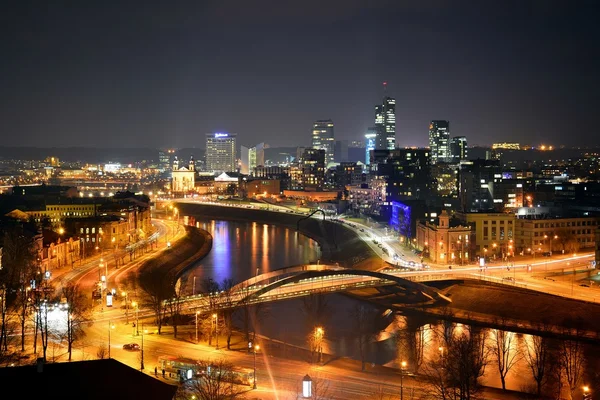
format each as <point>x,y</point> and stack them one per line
<point>174,304</point>
<point>364,323</point>
<point>456,374</point>
<point>210,299</point>
<point>228,310</point>
<point>537,356</point>
<point>317,311</point>
<point>102,352</point>
<point>216,383</point>
<point>77,314</point>
<point>504,351</point>
<point>572,361</point>
<point>158,291</point>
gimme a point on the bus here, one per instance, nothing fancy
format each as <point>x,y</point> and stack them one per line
<point>238,375</point>
<point>182,367</point>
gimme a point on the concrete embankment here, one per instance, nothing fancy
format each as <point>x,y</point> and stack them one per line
<point>172,263</point>
<point>337,243</point>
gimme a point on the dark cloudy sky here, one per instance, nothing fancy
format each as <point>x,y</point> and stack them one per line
<point>162,74</point>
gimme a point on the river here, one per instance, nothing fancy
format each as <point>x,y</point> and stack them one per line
<point>242,249</point>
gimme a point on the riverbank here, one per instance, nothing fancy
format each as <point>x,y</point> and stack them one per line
<point>337,243</point>
<point>171,264</point>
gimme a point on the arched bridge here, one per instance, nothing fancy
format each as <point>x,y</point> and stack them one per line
<point>305,280</point>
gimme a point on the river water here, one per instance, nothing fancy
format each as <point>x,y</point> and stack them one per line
<point>242,249</point>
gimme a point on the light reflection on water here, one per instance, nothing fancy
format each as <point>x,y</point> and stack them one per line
<point>241,249</point>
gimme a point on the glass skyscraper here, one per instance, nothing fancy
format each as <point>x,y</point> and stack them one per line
<point>385,124</point>
<point>322,138</point>
<point>439,141</point>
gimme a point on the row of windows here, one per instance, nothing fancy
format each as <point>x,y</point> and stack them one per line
<point>69,208</point>
<point>501,222</point>
<point>564,224</point>
<point>574,232</point>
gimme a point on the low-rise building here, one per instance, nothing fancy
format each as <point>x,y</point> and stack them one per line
<point>494,233</point>
<point>443,242</point>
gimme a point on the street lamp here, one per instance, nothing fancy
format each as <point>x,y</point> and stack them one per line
<point>142,355</point>
<point>137,320</point>
<point>110,326</point>
<point>256,348</point>
<point>126,307</point>
<point>216,321</point>
<point>197,312</point>
<point>586,393</point>
<point>319,333</point>
<point>402,366</point>
<point>441,349</point>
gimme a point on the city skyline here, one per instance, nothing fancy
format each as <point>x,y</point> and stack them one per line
<point>116,76</point>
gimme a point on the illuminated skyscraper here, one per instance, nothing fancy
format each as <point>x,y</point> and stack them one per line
<point>370,143</point>
<point>385,124</point>
<point>439,141</point>
<point>458,148</point>
<point>220,152</point>
<point>322,138</point>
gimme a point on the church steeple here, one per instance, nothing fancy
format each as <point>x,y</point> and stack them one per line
<point>175,164</point>
<point>192,165</point>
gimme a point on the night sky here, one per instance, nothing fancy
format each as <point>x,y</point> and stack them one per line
<point>162,74</point>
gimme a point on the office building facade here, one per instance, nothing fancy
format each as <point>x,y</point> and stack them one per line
<point>370,143</point>
<point>221,152</point>
<point>323,139</point>
<point>385,124</point>
<point>439,141</point>
<point>458,149</point>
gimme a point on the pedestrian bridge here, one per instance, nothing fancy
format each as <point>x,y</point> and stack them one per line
<point>310,279</point>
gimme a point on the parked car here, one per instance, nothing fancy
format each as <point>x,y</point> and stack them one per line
<point>131,346</point>
<point>546,254</point>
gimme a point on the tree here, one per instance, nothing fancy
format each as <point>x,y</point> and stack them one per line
<point>364,322</point>
<point>228,310</point>
<point>157,291</point>
<point>537,356</point>
<point>455,375</point>
<point>216,383</point>
<point>316,310</point>
<point>504,351</point>
<point>211,292</point>
<point>174,305</point>
<point>567,240</point>
<point>572,362</point>
<point>78,309</point>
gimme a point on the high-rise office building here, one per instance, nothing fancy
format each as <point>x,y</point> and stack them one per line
<point>458,148</point>
<point>256,156</point>
<point>220,152</point>
<point>439,141</point>
<point>322,138</point>
<point>313,169</point>
<point>370,143</point>
<point>245,160</point>
<point>385,124</point>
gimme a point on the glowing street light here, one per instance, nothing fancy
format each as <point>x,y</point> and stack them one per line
<point>319,334</point>
<point>402,366</point>
<point>256,348</point>
<point>110,326</point>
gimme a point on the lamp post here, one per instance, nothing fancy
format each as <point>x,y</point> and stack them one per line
<point>126,307</point>
<point>194,286</point>
<point>256,348</point>
<point>197,312</point>
<point>402,366</point>
<point>137,320</point>
<point>142,355</point>
<point>319,333</point>
<point>110,326</point>
<point>586,393</point>
<point>216,321</point>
